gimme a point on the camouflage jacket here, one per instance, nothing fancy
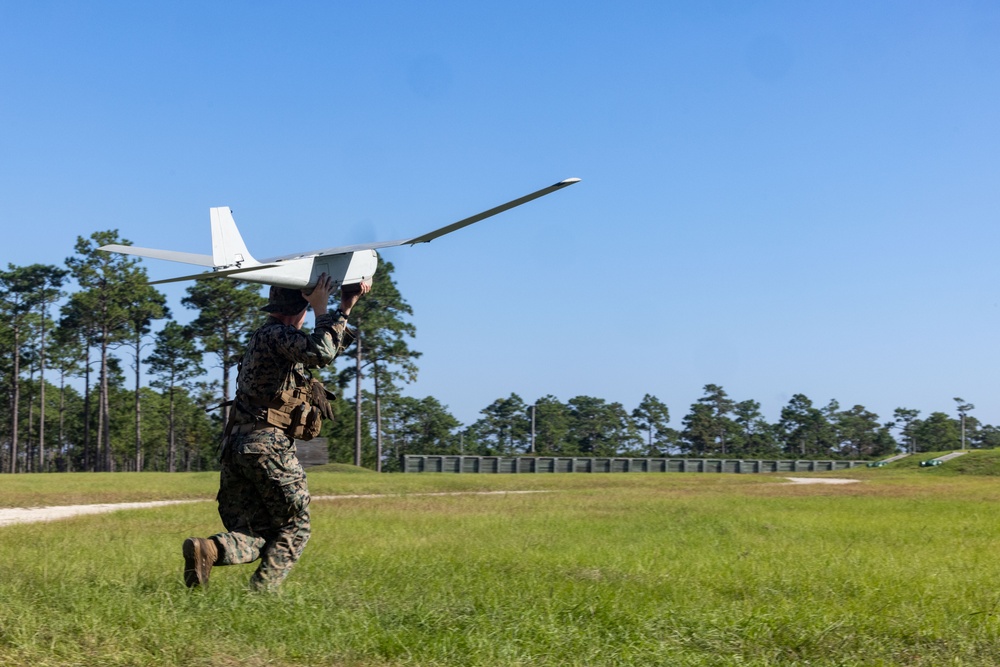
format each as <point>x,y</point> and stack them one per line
<point>278,357</point>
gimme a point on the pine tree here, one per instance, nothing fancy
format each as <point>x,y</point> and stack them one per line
<point>27,293</point>
<point>175,360</point>
<point>228,312</point>
<point>652,415</point>
<point>381,344</point>
<point>110,285</point>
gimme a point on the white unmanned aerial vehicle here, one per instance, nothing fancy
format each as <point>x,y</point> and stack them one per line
<point>346,265</point>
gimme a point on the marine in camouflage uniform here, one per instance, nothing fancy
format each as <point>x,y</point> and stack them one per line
<point>263,497</point>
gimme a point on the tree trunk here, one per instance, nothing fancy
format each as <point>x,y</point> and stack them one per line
<point>29,444</point>
<point>357,403</point>
<point>15,398</point>
<point>105,400</point>
<point>171,442</point>
<point>99,455</point>
<point>138,406</point>
<point>378,424</point>
<point>62,417</point>
<point>87,460</point>
<point>41,394</point>
<point>225,377</point>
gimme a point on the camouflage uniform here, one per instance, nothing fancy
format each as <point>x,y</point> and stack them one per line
<point>263,497</point>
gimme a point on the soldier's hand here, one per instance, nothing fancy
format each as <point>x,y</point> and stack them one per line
<point>348,300</point>
<point>319,297</point>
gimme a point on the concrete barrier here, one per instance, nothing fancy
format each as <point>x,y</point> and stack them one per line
<point>597,464</point>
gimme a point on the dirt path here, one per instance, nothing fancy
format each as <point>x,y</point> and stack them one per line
<point>13,515</point>
<point>821,480</point>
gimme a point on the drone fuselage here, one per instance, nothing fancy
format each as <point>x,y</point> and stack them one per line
<point>302,273</point>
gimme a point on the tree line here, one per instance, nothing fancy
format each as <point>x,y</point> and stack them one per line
<point>714,426</point>
<point>149,386</point>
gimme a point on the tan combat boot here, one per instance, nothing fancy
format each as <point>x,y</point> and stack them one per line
<point>200,554</point>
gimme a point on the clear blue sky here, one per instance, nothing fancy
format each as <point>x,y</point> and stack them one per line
<point>777,197</point>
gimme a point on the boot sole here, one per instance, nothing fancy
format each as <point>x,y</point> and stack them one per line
<point>196,565</point>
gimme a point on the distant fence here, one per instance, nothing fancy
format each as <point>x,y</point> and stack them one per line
<point>313,452</point>
<point>543,464</point>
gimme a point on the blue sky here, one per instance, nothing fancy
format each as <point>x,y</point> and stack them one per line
<point>777,197</point>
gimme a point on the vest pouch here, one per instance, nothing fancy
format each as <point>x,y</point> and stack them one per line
<point>279,418</point>
<point>306,422</point>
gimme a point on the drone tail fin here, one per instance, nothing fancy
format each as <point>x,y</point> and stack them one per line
<point>228,248</point>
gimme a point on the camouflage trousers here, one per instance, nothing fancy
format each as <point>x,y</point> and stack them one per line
<point>264,505</point>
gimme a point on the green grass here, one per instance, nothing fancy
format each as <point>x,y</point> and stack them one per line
<point>605,569</point>
<point>83,488</point>
<point>342,467</point>
<point>39,490</point>
<point>971,463</point>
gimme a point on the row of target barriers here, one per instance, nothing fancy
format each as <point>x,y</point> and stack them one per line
<point>576,464</point>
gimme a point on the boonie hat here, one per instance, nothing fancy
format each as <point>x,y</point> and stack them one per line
<point>284,301</point>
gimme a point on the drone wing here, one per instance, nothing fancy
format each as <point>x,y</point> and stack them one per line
<point>336,251</point>
<point>430,236</point>
<point>448,229</point>
<point>169,255</point>
<point>214,274</point>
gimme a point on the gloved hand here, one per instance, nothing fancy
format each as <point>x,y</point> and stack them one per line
<point>319,398</point>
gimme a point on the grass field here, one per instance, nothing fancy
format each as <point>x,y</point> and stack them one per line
<point>602,569</point>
